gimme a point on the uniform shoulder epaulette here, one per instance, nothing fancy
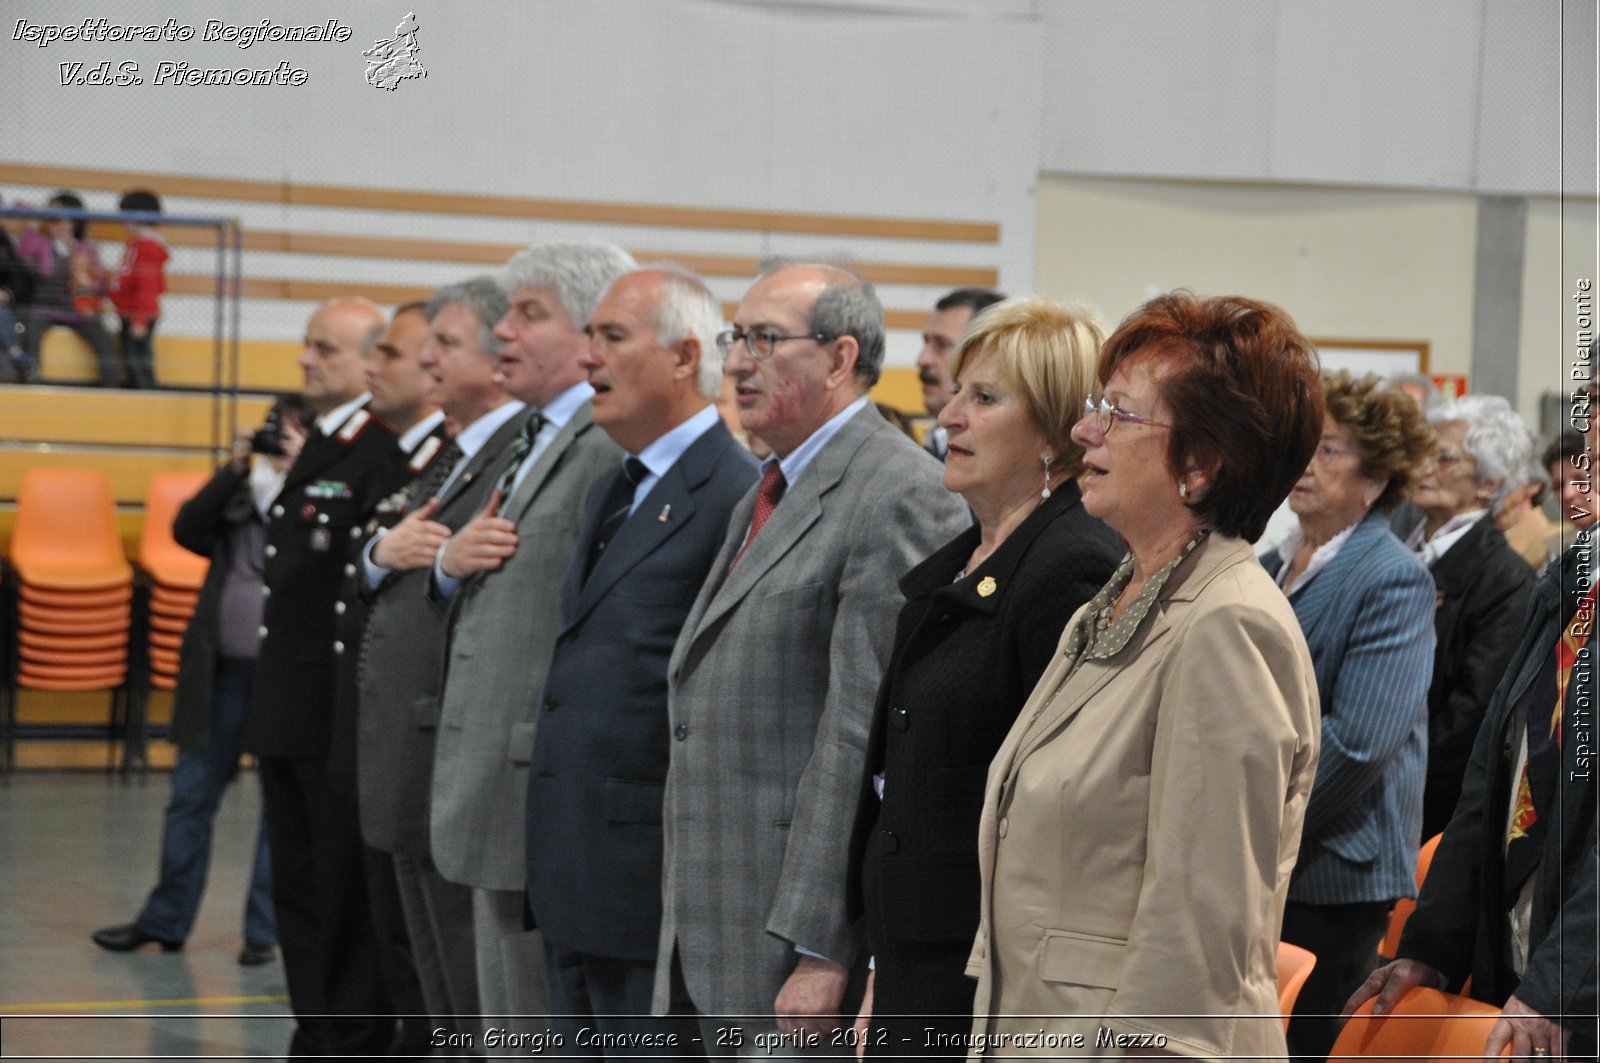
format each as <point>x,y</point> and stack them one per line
<point>422,457</point>
<point>353,427</point>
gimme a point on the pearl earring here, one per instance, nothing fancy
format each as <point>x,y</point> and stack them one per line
<point>1183,490</point>
<point>1047,459</point>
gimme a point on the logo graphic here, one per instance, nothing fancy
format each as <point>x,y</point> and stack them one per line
<point>392,61</point>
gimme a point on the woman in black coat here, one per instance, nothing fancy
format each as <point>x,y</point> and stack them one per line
<point>224,522</point>
<point>1483,584</point>
<point>982,618</point>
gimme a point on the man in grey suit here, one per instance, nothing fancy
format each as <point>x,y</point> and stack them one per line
<point>500,574</point>
<point>773,678</point>
<point>401,665</point>
<point>650,534</point>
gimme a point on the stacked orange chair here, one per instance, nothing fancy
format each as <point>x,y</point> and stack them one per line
<point>1424,1024</point>
<point>174,573</point>
<point>73,590</point>
<point>74,587</point>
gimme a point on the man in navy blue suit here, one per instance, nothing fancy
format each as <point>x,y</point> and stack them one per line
<point>651,531</point>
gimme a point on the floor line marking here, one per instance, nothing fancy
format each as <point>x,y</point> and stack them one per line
<point>90,1005</point>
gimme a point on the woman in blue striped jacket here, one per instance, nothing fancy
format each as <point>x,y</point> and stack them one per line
<point>1366,606</point>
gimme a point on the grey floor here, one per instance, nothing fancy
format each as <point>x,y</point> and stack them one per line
<point>79,851</point>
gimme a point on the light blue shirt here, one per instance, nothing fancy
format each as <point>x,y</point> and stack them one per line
<point>801,456</point>
<point>664,453</point>
<point>557,412</point>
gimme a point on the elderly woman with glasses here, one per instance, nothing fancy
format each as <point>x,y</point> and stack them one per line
<point>980,622</point>
<point>1141,817</point>
<point>1366,605</point>
<point>1482,583</point>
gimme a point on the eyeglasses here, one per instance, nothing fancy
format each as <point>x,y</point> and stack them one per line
<point>1106,414</point>
<point>1446,458</point>
<point>761,342</point>
<point>1327,453</point>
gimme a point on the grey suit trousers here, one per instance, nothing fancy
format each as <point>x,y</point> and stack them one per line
<point>438,916</point>
<point>511,963</point>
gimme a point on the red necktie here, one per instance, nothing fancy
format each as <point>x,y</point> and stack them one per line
<point>767,496</point>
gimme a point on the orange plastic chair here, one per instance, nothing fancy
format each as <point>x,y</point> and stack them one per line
<point>169,564</point>
<point>1425,1023</point>
<point>1294,967</point>
<point>1405,905</point>
<point>66,536</point>
<point>58,621</point>
<point>30,639</point>
<point>95,660</point>
<point>75,599</point>
<point>85,683</point>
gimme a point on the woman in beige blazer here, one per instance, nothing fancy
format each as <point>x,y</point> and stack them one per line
<point>1143,815</point>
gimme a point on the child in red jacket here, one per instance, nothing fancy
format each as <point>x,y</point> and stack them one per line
<point>136,294</point>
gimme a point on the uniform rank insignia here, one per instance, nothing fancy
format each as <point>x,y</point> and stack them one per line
<point>425,452</point>
<point>353,426</point>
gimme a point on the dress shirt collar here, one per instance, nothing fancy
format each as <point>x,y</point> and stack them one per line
<point>472,438</point>
<point>801,456</point>
<point>1320,558</point>
<point>419,431</point>
<point>329,422</point>
<point>662,454</point>
<point>559,410</point>
<point>1449,534</point>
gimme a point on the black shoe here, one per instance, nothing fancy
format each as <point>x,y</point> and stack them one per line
<point>128,936</point>
<point>255,953</point>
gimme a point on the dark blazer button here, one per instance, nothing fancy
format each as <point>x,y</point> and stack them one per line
<point>891,842</point>
<point>681,732</point>
<point>899,718</point>
<point>551,704</point>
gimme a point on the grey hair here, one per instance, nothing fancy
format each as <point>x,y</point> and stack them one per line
<point>688,308</point>
<point>481,295</point>
<point>1432,399</point>
<point>1496,439</point>
<point>579,273</point>
<point>847,306</point>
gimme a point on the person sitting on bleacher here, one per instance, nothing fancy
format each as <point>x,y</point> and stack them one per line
<point>69,283</point>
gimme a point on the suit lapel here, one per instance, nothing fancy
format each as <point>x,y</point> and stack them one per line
<point>658,517</point>
<point>485,462</point>
<point>1458,569</point>
<point>546,464</point>
<point>1065,698</point>
<point>1314,603</point>
<point>800,508</point>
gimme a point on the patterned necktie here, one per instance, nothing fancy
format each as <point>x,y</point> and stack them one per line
<point>433,477</point>
<point>519,453</point>
<point>768,495</point>
<point>618,503</point>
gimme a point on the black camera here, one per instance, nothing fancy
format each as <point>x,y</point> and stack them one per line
<point>268,439</point>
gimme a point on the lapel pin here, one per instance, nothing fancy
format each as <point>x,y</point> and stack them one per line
<point>666,511</point>
<point>986,586</point>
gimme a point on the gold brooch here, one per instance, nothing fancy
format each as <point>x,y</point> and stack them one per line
<point>986,586</point>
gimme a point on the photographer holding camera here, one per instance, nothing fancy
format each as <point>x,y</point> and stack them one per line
<point>225,521</point>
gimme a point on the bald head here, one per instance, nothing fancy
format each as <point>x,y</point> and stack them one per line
<point>337,340</point>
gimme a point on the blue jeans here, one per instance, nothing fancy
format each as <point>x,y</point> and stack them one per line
<point>198,782</point>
